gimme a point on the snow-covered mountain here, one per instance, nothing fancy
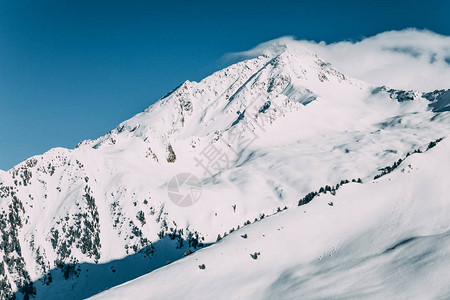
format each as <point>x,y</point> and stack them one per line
<point>252,140</point>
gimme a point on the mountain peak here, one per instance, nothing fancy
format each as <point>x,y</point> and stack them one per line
<point>283,73</point>
<point>274,48</point>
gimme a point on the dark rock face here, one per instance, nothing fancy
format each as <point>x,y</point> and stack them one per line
<point>398,95</point>
<point>440,100</point>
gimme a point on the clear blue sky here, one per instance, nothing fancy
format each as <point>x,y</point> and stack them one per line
<point>73,70</point>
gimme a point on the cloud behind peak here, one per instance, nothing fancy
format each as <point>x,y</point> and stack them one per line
<point>404,59</point>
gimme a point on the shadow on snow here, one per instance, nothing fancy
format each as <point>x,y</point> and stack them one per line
<point>84,280</point>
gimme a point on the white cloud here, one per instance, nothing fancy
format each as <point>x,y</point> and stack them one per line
<point>406,59</point>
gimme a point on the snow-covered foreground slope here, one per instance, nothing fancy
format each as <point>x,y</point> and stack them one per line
<point>258,135</point>
<point>384,239</point>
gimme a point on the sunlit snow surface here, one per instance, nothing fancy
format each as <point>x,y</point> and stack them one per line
<point>384,239</point>
<point>289,123</point>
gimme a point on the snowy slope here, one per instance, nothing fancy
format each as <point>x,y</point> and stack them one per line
<point>282,124</point>
<point>387,238</point>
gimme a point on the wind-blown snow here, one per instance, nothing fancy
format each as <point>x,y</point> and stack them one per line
<point>405,59</point>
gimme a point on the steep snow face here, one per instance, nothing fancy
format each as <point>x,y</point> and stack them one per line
<point>259,135</point>
<point>385,238</point>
